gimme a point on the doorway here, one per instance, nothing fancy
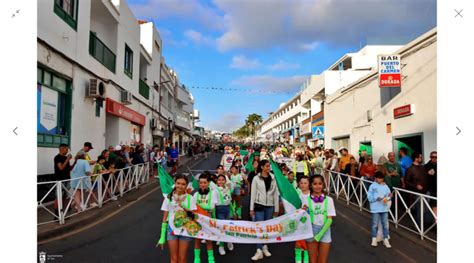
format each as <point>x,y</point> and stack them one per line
<point>412,142</point>
<point>365,146</point>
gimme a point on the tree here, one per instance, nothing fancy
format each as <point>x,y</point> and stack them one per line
<point>253,120</point>
<point>242,132</point>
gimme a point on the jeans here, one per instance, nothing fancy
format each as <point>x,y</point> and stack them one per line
<point>223,212</point>
<point>379,218</point>
<point>265,214</point>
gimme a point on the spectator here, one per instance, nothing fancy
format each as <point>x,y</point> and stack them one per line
<point>381,168</point>
<point>62,169</point>
<point>252,173</point>
<point>379,195</point>
<point>300,167</point>
<point>126,155</point>
<point>416,181</point>
<point>82,170</point>
<point>432,171</point>
<point>120,161</point>
<point>362,158</point>
<point>405,161</point>
<point>416,176</point>
<point>345,158</point>
<point>137,157</point>
<point>85,151</point>
<point>368,169</point>
<point>351,168</point>
<point>174,158</point>
<point>394,171</point>
<point>106,155</point>
<point>334,161</point>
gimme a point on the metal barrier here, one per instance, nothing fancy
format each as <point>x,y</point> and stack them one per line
<point>409,210</point>
<point>103,188</point>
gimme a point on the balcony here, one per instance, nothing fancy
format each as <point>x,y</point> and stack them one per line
<point>144,89</point>
<point>101,52</point>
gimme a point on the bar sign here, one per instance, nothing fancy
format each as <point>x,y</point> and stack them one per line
<point>403,111</point>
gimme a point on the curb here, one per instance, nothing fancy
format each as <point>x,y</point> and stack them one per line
<point>426,244</point>
<point>93,215</point>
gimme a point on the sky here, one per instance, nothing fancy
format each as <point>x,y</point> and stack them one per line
<point>261,51</point>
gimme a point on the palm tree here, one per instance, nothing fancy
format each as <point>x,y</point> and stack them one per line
<point>253,120</point>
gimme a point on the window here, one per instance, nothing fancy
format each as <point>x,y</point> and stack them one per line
<point>67,10</point>
<point>128,66</point>
<point>53,109</point>
<point>144,89</point>
<point>101,52</point>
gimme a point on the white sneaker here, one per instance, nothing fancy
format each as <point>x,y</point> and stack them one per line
<point>221,251</point>
<point>266,252</point>
<point>386,243</point>
<point>374,242</point>
<point>94,205</point>
<point>113,198</point>
<point>258,255</point>
<point>203,241</point>
<point>230,246</point>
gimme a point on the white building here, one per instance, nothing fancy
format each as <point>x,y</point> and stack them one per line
<point>99,79</point>
<point>346,70</point>
<point>362,116</point>
<point>281,125</point>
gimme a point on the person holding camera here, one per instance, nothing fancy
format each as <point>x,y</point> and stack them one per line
<point>62,169</point>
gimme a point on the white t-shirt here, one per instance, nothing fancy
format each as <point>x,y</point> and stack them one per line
<point>203,200</point>
<point>173,206</point>
<point>226,195</point>
<point>318,209</point>
<point>236,179</point>
<point>300,167</point>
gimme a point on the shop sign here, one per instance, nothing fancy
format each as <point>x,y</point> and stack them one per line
<point>318,132</point>
<point>389,71</point>
<point>403,111</point>
<point>122,111</point>
<point>48,110</point>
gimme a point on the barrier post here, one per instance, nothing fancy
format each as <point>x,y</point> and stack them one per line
<point>99,190</point>
<point>59,196</point>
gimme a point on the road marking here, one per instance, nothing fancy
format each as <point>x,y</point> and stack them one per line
<point>364,229</point>
<point>100,220</point>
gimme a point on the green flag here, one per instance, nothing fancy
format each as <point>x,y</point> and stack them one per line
<point>243,153</point>
<point>166,182</point>
<point>291,199</point>
<point>249,166</point>
<point>194,182</point>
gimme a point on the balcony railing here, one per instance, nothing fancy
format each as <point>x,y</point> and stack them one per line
<point>144,89</point>
<point>101,52</point>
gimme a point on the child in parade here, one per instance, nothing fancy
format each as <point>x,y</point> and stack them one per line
<point>304,193</point>
<point>206,199</point>
<point>237,181</point>
<point>291,178</point>
<point>223,192</point>
<point>321,210</point>
<point>177,200</point>
<point>379,196</point>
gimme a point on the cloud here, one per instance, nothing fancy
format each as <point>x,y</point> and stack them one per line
<point>300,25</point>
<point>282,65</point>
<point>197,38</point>
<point>168,39</point>
<point>191,10</point>
<point>242,62</point>
<point>271,83</point>
<point>228,122</point>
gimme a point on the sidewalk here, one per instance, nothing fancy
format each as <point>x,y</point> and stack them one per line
<point>55,230</point>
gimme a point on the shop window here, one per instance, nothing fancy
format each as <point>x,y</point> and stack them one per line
<point>53,109</point>
<point>128,66</point>
<point>67,10</point>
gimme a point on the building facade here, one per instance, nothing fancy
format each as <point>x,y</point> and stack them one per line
<point>99,79</point>
<point>365,117</point>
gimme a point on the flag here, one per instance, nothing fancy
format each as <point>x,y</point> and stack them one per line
<point>291,199</point>
<point>249,166</point>
<point>166,182</point>
<point>243,153</point>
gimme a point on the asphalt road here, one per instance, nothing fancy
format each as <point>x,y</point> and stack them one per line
<point>131,235</point>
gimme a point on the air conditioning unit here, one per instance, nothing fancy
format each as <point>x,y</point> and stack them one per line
<point>153,123</point>
<point>96,89</point>
<point>126,97</point>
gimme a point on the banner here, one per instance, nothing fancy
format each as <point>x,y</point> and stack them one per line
<point>290,227</point>
<point>289,161</point>
<point>47,110</point>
